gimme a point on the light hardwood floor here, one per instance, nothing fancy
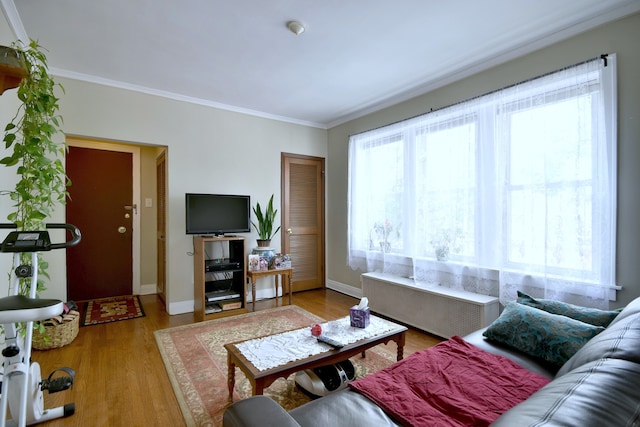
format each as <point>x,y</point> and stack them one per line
<point>120,376</point>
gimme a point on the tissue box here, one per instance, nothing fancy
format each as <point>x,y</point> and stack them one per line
<point>359,318</point>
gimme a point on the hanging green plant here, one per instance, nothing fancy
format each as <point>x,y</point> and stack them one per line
<point>36,155</point>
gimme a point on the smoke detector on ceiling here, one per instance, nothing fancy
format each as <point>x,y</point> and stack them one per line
<point>296,27</point>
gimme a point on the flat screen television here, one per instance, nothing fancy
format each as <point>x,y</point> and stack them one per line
<point>217,213</point>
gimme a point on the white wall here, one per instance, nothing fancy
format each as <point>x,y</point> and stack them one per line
<point>209,150</point>
<point>8,107</point>
<point>618,37</point>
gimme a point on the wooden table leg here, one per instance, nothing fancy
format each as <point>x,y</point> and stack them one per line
<point>290,287</point>
<point>400,342</point>
<point>286,280</point>
<point>258,387</point>
<point>253,294</point>
<point>277,280</point>
<point>231,376</point>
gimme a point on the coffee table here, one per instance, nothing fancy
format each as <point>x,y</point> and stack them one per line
<point>261,378</point>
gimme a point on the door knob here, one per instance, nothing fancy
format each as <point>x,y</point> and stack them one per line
<point>289,230</point>
<point>122,230</point>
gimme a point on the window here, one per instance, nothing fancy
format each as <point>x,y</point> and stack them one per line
<point>511,190</point>
<point>445,204</point>
<point>550,170</point>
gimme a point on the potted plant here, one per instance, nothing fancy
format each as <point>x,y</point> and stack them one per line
<point>385,232</point>
<point>12,68</point>
<point>444,242</point>
<point>37,157</point>
<point>265,223</point>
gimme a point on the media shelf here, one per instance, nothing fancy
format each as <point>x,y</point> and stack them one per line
<point>219,283</point>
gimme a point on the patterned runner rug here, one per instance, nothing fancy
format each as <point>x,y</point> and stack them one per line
<point>107,310</point>
<point>196,361</point>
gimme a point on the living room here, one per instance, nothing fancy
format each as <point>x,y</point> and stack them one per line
<point>194,134</point>
<point>133,117</point>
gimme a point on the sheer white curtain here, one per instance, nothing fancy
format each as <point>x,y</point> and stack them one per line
<point>514,190</point>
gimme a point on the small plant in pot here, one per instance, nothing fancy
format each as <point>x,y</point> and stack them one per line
<point>266,220</point>
<point>36,156</point>
<point>445,242</point>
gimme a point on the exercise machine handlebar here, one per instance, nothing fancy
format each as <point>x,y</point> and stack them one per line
<point>76,236</point>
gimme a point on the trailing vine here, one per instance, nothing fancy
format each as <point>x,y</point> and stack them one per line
<point>36,156</point>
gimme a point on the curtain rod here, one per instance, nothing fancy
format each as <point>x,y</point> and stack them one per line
<point>603,57</point>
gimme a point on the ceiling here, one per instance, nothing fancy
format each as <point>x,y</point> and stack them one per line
<point>355,57</point>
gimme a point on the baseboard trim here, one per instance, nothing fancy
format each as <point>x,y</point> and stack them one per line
<point>149,289</point>
<point>180,307</point>
<point>352,291</point>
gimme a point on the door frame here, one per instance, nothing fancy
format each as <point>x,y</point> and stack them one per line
<point>284,208</point>
<point>161,226</point>
<point>78,141</point>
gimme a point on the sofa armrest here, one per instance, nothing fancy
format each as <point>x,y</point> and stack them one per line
<point>257,411</point>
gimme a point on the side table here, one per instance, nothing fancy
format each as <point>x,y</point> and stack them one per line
<point>285,273</point>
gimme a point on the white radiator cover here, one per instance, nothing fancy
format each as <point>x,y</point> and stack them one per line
<point>438,310</point>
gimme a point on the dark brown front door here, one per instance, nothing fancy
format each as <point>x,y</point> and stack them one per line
<point>303,219</point>
<point>101,207</point>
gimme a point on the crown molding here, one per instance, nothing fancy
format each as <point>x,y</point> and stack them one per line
<point>177,97</point>
<point>12,16</point>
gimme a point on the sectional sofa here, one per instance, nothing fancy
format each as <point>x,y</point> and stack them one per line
<point>581,367</point>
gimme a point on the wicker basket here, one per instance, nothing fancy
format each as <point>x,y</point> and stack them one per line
<point>56,335</point>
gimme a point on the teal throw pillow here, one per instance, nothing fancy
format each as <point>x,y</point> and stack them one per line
<point>590,315</point>
<point>541,334</point>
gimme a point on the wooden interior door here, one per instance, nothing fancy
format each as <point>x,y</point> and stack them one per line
<point>161,203</point>
<point>303,219</point>
<point>101,207</point>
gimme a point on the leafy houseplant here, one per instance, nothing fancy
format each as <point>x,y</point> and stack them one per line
<point>37,157</point>
<point>265,223</point>
<point>444,242</point>
<point>385,232</point>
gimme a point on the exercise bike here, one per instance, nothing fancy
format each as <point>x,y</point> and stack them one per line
<point>22,386</point>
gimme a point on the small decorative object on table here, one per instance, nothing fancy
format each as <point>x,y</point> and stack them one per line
<point>316,330</point>
<point>265,255</point>
<point>254,262</point>
<point>359,314</point>
<point>282,261</point>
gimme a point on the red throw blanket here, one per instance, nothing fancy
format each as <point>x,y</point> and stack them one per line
<point>452,384</point>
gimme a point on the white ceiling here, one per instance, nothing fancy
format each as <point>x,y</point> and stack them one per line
<point>356,56</point>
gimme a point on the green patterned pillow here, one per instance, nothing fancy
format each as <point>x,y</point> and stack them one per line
<point>590,315</point>
<point>541,334</point>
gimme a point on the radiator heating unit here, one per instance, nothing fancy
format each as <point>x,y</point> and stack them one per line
<point>435,309</point>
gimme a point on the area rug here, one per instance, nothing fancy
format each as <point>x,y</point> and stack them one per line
<point>196,361</point>
<point>112,309</point>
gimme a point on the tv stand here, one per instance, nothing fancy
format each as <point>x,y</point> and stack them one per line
<point>219,283</point>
